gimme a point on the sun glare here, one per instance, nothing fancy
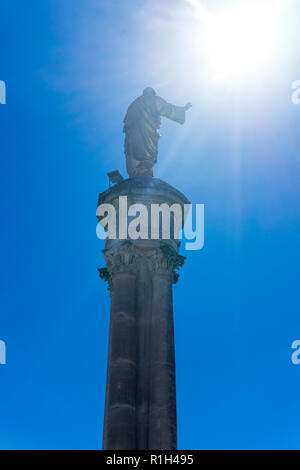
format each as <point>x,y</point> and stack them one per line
<point>241,38</point>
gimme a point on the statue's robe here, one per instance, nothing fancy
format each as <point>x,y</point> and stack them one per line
<point>141,125</point>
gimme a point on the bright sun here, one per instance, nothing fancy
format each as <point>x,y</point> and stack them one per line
<point>241,38</point>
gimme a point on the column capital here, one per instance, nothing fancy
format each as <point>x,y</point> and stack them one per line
<point>105,275</point>
<point>164,261</point>
<point>121,259</point>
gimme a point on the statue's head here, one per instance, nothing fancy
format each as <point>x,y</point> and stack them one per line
<point>149,92</point>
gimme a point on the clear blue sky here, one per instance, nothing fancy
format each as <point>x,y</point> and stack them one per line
<point>71,68</point>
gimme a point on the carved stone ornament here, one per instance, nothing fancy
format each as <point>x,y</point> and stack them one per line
<point>121,259</point>
<point>164,261</point>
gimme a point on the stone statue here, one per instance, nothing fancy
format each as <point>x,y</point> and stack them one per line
<point>141,125</point>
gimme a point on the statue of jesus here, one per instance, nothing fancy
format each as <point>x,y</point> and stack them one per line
<point>141,125</point>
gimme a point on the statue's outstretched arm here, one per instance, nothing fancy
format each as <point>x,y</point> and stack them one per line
<point>170,111</point>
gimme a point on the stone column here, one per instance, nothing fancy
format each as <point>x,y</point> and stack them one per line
<point>162,403</point>
<point>120,407</point>
<point>140,407</point>
<point>144,313</point>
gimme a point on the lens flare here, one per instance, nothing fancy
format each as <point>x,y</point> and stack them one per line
<point>241,38</point>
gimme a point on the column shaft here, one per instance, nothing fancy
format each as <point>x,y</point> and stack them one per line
<point>162,412</point>
<point>120,406</point>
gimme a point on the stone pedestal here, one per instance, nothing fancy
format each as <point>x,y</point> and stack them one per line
<point>140,407</point>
